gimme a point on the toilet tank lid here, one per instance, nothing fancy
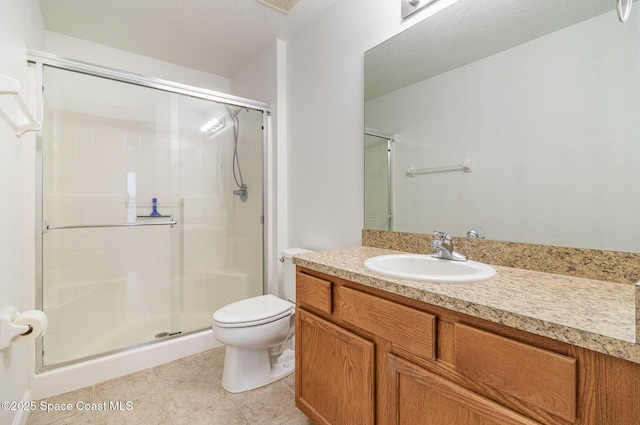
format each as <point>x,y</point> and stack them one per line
<point>290,252</point>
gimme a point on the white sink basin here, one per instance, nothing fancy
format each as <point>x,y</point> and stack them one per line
<point>429,269</point>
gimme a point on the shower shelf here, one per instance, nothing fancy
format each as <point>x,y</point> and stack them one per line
<point>149,204</point>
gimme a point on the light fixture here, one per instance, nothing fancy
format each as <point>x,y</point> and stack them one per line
<point>212,126</point>
<point>13,109</point>
<point>283,6</point>
<point>411,7</point>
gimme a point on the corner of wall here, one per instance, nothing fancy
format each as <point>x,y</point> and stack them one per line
<point>20,27</point>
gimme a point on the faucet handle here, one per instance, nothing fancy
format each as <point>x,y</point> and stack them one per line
<point>474,233</point>
<point>441,234</point>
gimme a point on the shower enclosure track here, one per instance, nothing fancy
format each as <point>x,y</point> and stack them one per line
<point>62,62</point>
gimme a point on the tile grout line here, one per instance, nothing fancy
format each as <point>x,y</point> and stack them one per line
<point>162,397</point>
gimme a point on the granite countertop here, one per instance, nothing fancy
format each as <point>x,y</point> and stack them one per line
<point>593,314</point>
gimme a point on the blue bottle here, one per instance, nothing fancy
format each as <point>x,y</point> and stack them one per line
<point>155,212</point>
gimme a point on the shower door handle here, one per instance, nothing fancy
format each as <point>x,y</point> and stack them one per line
<point>47,227</point>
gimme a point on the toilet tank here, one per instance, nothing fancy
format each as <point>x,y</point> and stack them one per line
<point>289,272</point>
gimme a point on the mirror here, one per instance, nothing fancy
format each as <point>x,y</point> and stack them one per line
<point>540,98</point>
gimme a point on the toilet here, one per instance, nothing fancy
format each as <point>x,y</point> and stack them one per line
<point>259,335</point>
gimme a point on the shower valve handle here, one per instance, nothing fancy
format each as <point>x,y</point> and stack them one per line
<point>242,193</point>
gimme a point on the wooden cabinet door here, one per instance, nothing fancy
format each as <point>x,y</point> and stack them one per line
<point>420,397</point>
<point>335,373</point>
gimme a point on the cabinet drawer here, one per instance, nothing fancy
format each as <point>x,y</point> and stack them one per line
<point>536,376</point>
<point>420,397</point>
<point>406,327</point>
<point>314,292</point>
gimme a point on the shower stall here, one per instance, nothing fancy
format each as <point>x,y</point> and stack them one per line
<point>150,202</point>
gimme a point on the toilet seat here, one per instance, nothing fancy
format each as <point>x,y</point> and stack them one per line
<point>252,312</point>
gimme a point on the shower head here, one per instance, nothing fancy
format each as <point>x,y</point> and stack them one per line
<point>283,6</point>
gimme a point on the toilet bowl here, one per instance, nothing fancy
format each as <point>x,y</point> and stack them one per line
<point>259,335</point>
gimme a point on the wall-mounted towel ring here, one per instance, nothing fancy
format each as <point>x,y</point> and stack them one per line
<point>624,12</point>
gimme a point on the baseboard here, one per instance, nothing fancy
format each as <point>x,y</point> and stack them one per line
<point>23,414</point>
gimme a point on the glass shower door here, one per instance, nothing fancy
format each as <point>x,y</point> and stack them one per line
<point>143,236</point>
<point>107,258</point>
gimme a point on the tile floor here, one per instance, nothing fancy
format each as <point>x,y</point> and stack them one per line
<point>186,391</point>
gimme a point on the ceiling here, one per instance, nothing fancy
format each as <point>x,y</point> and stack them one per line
<point>465,32</point>
<point>215,36</point>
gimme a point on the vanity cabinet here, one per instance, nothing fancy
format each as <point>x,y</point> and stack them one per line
<point>366,356</point>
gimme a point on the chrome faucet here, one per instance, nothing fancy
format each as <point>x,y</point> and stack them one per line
<point>444,247</point>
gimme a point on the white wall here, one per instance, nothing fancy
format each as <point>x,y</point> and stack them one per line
<point>20,24</point>
<point>326,120</point>
<point>99,54</point>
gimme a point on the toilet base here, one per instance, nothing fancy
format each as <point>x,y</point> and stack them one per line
<point>246,369</point>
